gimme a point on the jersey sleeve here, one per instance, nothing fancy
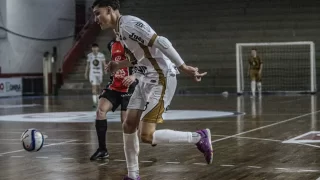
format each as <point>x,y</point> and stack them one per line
<point>88,58</point>
<point>103,58</point>
<point>138,30</point>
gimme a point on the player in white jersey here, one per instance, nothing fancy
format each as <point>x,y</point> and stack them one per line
<point>95,64</point>
<point>150,55</point>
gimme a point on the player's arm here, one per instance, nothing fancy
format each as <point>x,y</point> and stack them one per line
<point>165,46</point>
<point>87,69</point>
<point>249,66</point>
<point>261,66</point>
<point>146,36</point>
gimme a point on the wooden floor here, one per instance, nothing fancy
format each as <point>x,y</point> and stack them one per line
<point>262,144</point>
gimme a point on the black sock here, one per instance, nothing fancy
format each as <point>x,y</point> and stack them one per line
<point>101,128</point>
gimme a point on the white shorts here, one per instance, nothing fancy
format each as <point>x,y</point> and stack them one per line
<point>153,99</point>
<point>95,79</point>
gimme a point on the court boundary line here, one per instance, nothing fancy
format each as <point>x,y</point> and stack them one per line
<point>267,126</point>
<point>53,144</point>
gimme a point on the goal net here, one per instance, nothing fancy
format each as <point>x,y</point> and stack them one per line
<point>288,67</point>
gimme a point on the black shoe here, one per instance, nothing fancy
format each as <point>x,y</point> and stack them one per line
<point>99,155</point>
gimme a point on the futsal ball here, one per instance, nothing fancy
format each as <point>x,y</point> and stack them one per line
<point>32,140</point>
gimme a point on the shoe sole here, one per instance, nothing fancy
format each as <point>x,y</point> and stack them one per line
<point>100,158</point>
<point>211,149</point>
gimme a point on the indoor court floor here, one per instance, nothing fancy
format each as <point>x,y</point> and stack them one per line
<point>268,138</point>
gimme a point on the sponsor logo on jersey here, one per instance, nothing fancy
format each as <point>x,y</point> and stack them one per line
<point>140,69</point>
<point>136,38</point>
<point>95,62</point>
<point>143,27</point>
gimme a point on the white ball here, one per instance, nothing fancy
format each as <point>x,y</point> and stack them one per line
<point>225,93</point>
<point>32,140</point>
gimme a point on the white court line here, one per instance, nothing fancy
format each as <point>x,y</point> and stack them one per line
<point>255,167</point>
<point>54,144</point>
<point>241,137</point>
<point>16,156</point>
<point>46,139</point>
<point>173,162</point>
<point>281,168</point>
<point>201,164</point>
<point>146,161</point>
<point>311,145</point>
<point>227,165</point>
<point>42,157</point>
<point>104,164</point>
<point>119,160</point>
<point>308,170</point>
<point>263,127</point>
<point>68,158</point>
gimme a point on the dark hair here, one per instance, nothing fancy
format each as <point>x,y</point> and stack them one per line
<point>114,4</point>
<point>94,45</point>
<point>254,49</point>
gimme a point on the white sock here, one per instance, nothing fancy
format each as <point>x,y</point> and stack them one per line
<point>259,86</point>
<point>170,136</point>
<point>94,99</point>
<point>253,87</point>
<point>131,151</point>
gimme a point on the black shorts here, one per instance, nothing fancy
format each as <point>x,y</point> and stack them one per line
<point>117,98</point>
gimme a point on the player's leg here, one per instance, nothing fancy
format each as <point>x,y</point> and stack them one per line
<point>94,84</point>
<point>161,96</point>
<point>130,136</point>
<point>259,84</point>
<point>107,101</point>
<point>253,82</point>
<point>125,98</point>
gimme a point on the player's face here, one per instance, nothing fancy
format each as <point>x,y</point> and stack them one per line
<point>254,53</point>
<point>102,16</point>
<point>95,49</point>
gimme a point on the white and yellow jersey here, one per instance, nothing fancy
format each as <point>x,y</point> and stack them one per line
<point>138,37</point>
<point>96,61</point>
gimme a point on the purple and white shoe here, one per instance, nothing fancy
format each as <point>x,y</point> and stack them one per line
<point>127,178</point>
<point>205,145</point>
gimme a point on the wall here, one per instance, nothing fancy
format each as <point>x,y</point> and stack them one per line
<point>3,12</point>
<point>45,19</point>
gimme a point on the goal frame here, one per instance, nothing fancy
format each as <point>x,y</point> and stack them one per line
<point>240,70</point>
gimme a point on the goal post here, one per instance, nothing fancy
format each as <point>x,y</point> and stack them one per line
<point>288,67</point>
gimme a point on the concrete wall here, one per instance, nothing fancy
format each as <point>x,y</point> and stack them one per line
<point>44,19</point>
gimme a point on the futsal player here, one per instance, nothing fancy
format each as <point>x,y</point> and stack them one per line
<point>95,62</point>
<point>118,92</point>
<point>150,54</point>
<point>254,71</point>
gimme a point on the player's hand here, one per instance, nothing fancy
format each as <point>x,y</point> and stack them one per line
<point>192,71</point>
<point>105,68</point>
<point>111,67</point>
<point>127,81</point>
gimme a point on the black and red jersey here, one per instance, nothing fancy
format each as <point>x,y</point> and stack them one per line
<point>118,54</point>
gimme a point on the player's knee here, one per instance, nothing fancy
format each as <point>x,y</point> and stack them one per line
<point>101,113</point>
<point>146,137</point>
<point>128,126</point>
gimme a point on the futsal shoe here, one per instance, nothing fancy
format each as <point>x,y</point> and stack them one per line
<point>205,145</point>
<point>99,155</point>
<point>127,178</point>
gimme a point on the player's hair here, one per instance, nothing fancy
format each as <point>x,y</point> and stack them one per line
<point>94,45</point>
<point>114,4</point>
<point>254,49</point>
